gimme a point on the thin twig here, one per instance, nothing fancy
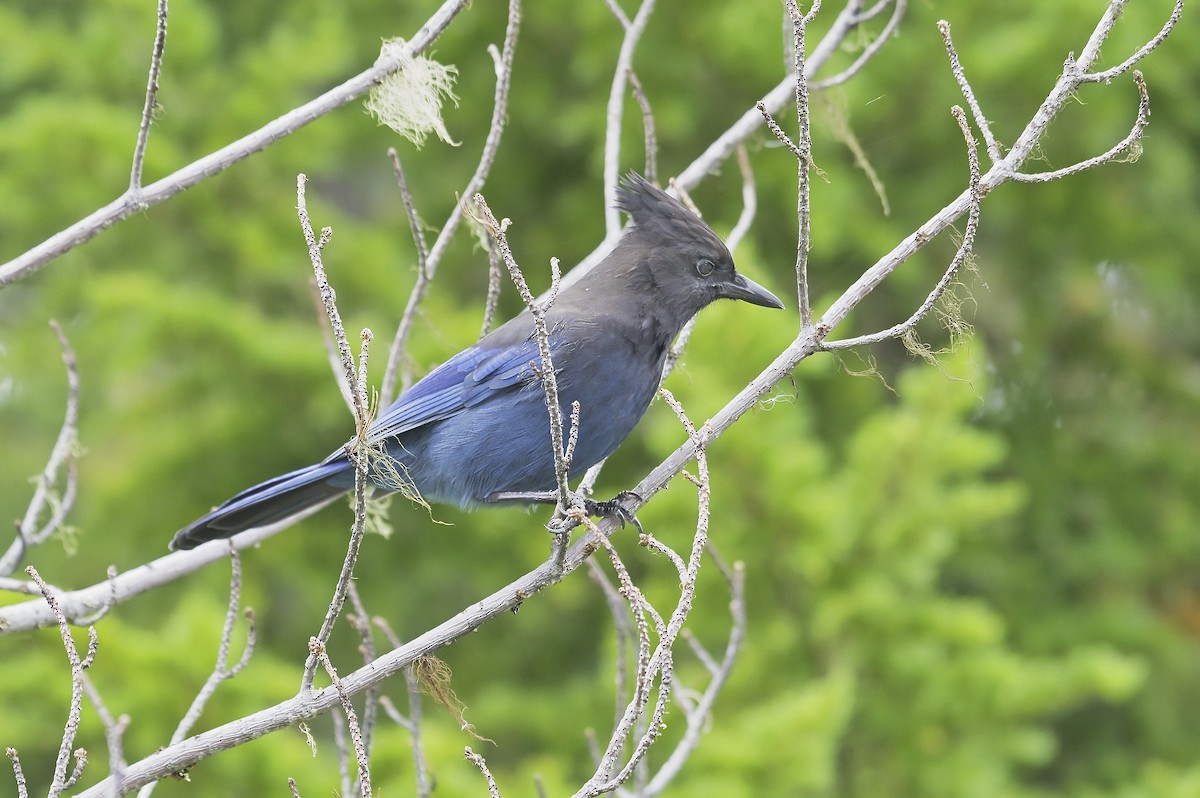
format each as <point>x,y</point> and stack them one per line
<point>495,278</point>
<point>342,750</point>
<point>749,201</point>
<point>399,344</point>
<point>221,670</point>
<point>1108,74</point>
<point>643,674</point>
<point>503,64</point>
<point>546,370</point>
<point>330,344</point>
<point>61,781</point>
<point>648,134</point>
<point>619,13</point>
<point>65,447</point>
<point>354,450</point>
<point>622,631</point>
<point>114,731</point>
<point>359,457</point>
<point>362,624</point>
<point>129,204</point>
<point>1119,150</point>
<point>139,149</point>
<point>736,578</point>
<point>478,761</point>
<point>660,662</point>
<point>960,256</point>
<point>777,131</point>
<point>413,721</point>
<point>616,111</point>
<point>327,294</point>
<point>317,649</point>
<point>803,155</point>
<point>956,68</point>
<point>18,774</point>
<point>872,49</point>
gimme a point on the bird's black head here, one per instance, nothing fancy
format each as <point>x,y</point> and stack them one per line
<point>686,263</point>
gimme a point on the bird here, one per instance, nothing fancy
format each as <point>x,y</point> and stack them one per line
<point>475,430</point>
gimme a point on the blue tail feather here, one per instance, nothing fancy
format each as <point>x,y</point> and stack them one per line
<point>267,503</point>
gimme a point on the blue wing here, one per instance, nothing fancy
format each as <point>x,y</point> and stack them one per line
<point>463,381</point>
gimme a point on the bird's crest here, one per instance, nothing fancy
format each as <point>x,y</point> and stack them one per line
<point>657,212</point>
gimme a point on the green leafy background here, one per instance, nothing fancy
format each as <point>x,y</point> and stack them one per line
<point>974,579</point>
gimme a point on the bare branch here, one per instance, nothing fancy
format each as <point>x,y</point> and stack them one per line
<point>342,749</point>
<point>616,111</point>
<point>399,344</point>
<point>317,649</point>
<point>139,149</point>
<point>872,49</point>
<point>413,688</point>
<point>331,347</point>
<point>960,257</point>
<point>777,131</point>
<point>354,450</point>
<point>362,624</point>
<point>492,143</point>
<point>660,662</point>
<point>18,774</point>
<point>63,453</point>
<point>413,721</point>
<point>606,762</point>
<point>1126,147</point>
<point>872,12</point>
<point>1108,74</point>
<point>648,134</point>
<point>981,122</point>
<point>359,456</point>
<point>749,202</point>
<point>114,730</point>
<point>221,670</point>
<point>78,604</point>
<point>623,632</point>
<point>61,780</point>
<point>477,760</point>
<point>328,296</point>
<point>803,153</point>
<point>495,277</point>
<point>429,259</point>
<point>128,204</point>
<point>736,577</point>
<point>619,13</point>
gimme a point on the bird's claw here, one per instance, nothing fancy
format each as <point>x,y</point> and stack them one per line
<point>615,508</point>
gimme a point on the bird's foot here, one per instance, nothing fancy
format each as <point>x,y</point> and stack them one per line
<point>615,508</point>
<point>611,508</point>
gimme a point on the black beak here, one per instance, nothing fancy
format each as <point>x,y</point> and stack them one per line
<point>745,289</point>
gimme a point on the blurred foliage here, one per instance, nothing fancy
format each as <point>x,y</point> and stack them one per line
<point>978,579</point>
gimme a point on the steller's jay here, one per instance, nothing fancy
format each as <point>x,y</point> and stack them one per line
<point>476,427</point>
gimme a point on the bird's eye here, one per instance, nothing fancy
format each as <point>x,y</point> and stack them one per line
<point>705,267</point>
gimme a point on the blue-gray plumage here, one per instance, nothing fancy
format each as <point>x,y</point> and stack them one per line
<point>477,425</point>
